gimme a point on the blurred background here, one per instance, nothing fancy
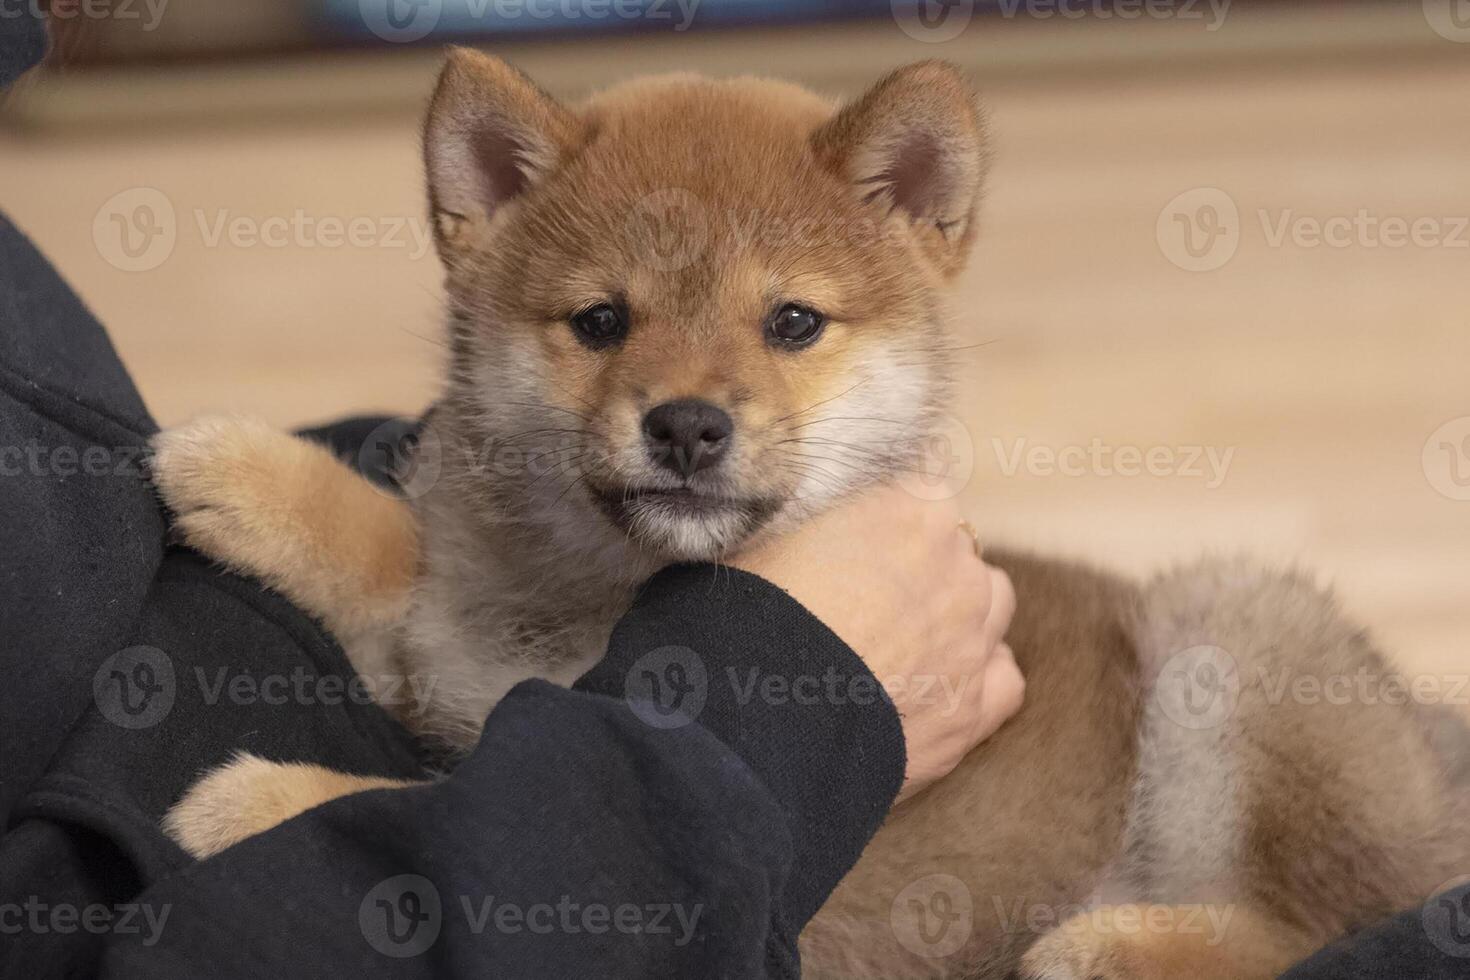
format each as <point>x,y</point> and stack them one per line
<point>1221,300</point>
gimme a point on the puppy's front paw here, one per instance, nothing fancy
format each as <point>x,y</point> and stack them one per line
<point>240,799</point>
<point>222,478</point>
<point>284,509</point>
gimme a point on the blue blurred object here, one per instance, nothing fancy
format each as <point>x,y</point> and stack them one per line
<point>408,21</point>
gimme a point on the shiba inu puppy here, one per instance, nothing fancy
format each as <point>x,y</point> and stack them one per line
<point>710,309</point>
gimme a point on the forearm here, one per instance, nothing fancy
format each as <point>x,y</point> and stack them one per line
<point>583,833</point>
<point>574,835</point>
<point>786,695</point>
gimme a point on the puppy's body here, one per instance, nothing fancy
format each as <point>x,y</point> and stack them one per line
<point>1258,834</point>
<point>1133,846</point>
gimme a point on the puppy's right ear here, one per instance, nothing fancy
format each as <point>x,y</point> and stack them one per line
<point>491,133</point>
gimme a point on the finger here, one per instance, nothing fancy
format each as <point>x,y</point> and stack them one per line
<point>1002,605</point>
<point>1003,691</point>
<point>971,538</point>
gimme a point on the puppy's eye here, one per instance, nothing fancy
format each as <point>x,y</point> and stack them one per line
<point>795,326</point>
<point>600,325</point>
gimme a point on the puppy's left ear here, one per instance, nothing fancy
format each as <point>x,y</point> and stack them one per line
<point>915,143</point>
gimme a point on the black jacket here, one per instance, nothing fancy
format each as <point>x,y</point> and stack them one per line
<point>663,818</point>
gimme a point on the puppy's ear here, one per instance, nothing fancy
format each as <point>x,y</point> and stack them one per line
<point>491,133</point>
<point>915,143</point>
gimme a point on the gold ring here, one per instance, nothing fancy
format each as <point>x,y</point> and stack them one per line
<point>969,529</point>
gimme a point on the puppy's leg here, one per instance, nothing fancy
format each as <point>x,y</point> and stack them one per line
<point>284,509</point>
<point>249,795</point>
<point>1166,942</point>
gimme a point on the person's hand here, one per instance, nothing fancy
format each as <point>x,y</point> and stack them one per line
<point>900,580</point>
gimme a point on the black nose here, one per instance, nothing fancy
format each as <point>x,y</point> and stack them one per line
<point>687,435</point>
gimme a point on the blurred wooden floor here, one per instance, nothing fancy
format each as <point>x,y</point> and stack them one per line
<point>1322,370</point>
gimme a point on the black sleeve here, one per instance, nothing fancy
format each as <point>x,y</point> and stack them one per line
<point>587,835</point>
<point>1430,943</point>
<point>781,691</point>
<point>682,812</point>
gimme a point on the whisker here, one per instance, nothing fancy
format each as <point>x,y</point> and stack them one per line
<point>824,401</point>
<point>554,408</point>
<point>852,418</point>
<point>437,342</point>
<point>520,437</point>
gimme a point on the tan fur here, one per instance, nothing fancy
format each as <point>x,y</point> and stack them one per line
<point>1145,942</point>
<point>249,795</point>
<point>1087,799</point>
<point>260,501</point>
<point>1095,805</point>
